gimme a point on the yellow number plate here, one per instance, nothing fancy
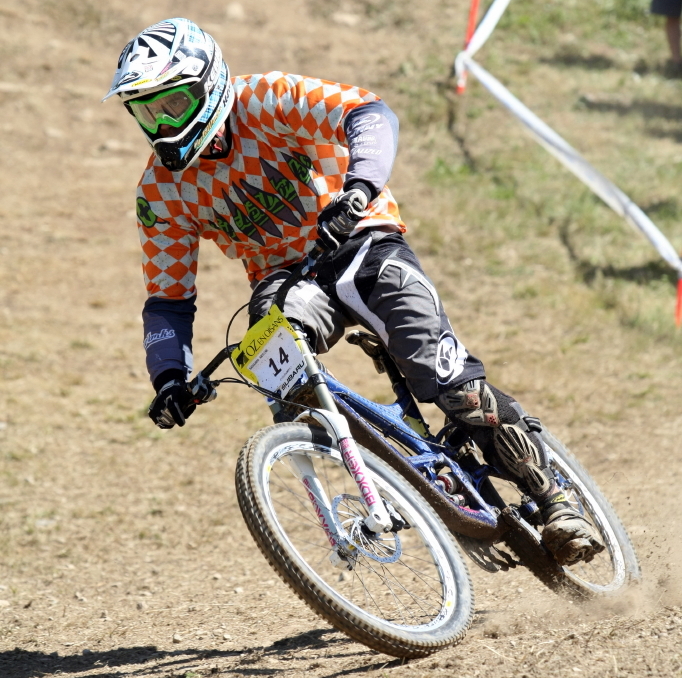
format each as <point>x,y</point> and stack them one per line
<point>269,355</point>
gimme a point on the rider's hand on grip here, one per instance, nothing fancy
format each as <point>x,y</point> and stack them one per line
<point>173,404</point>
<point>343,213</point>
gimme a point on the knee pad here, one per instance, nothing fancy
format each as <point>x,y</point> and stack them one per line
<point>481,404</point>
<point>514,446</point>
<point>473,403</point>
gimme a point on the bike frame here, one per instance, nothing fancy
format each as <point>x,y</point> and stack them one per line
<point>347,415</point>
<point>426,451</point>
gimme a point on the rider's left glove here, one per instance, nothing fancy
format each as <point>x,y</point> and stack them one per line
<point>173,404</point>
<point>343,213</point>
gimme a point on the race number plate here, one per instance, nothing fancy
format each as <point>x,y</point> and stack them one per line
<point>268,354</point>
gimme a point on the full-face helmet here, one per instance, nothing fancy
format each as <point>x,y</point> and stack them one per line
<point>173,75</point>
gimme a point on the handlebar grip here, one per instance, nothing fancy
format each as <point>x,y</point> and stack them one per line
<point>216,362</point>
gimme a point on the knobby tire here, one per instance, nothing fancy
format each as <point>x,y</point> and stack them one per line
<point>263,524</point>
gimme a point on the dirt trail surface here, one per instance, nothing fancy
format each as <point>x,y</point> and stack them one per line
<point>123,552</point>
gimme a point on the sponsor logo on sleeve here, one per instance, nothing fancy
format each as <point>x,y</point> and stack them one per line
<point>156,337</point>
<point>365,151</point>
<point>366,123</point>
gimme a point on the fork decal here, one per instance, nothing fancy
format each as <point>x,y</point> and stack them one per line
<point>358,472</point>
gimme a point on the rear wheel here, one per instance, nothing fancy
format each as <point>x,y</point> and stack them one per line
<point>408,593</point>
<point>614,568</point>
<point>610,571</point>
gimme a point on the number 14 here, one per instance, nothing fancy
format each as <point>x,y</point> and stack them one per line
<point>283,358</point>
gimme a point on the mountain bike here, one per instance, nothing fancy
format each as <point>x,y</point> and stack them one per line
<point>365,513</point>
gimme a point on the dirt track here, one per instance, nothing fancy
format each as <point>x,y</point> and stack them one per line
<point>123,550</point>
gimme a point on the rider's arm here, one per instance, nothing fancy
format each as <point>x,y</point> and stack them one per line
<point>372,136</point>
<point>168,338</point>
<point>349,116</point>
<point>170,247</point>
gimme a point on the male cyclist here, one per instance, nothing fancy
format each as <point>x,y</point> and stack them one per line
<point>254,163</point>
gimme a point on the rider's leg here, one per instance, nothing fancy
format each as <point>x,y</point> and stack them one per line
<point>385,289</point>
<point>381,283</point>
<point>509,440</point>
<point>307,303</point>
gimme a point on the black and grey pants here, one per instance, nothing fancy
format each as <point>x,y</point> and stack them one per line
<point>375,280</point>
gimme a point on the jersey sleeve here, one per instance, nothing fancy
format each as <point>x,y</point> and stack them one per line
<point>170,248</point>
<point>168,335</point>
<point>169,238</point>
<point>324,111</point>
<point>372,133</point>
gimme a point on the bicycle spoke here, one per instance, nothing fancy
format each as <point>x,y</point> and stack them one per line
<point>389,573</point>
<point>375,572</point>
<point>368,593</point>
<point>419,576</point>
<point>407,593</point>
<point>414,596</point>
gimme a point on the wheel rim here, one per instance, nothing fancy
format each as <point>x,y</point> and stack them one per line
<point>606,572</point>
<point>414,592</point>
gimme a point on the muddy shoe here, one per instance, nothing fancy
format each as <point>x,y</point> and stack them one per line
<point>567,534</point>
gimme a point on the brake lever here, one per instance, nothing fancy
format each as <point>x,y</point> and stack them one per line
<point>203,389</point>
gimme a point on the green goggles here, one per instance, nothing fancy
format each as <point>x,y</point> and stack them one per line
<point>172,107</point>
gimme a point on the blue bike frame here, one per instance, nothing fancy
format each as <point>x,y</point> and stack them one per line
<point>377,423</point>
<point>427,452</point>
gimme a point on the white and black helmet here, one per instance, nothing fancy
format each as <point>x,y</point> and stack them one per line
<point>174,74</point>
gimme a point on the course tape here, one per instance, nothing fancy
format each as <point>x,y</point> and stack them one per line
<point>476,39</point>
<point>487,26</point>
<point>568,156</point>
<point>558,147</point>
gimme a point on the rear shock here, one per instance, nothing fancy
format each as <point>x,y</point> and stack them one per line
<point>449,483</point>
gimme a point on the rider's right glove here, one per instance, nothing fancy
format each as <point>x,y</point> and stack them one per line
<point>173,404</point>
<point>343,213</point>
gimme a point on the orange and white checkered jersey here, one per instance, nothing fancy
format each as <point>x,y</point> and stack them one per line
<point>289,158</point>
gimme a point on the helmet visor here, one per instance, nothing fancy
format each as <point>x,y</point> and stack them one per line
<point>172,107</point>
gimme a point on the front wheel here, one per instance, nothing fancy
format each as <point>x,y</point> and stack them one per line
<point>408,593</point>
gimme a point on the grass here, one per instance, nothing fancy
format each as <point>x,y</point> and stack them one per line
<point>543,23</point>
<point>505,190</point>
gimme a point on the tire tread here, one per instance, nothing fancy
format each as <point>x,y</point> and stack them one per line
<point>323,605</point>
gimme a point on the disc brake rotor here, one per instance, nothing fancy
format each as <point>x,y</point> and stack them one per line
<point>349,513</point>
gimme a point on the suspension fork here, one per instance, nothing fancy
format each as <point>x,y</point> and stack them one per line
<point>336,425</point>
<point>303,469</point>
